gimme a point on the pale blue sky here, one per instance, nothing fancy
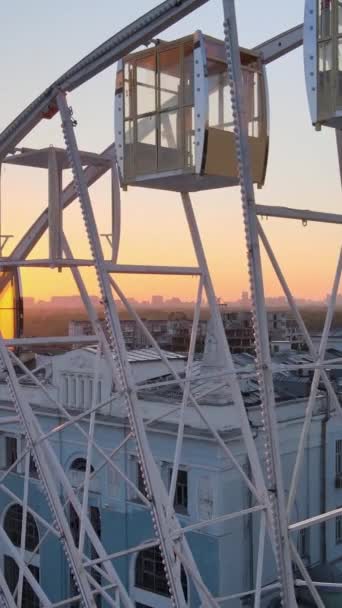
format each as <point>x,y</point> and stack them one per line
<point>39,40</point>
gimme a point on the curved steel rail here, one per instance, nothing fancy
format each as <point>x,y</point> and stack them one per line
<point>139,32</point>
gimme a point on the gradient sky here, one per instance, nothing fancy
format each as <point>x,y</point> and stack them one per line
<point>40,40</point>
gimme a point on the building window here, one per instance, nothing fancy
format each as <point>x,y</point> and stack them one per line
<point>11,573</point>
<point>13,528</point>
<point>77,390</point>
<point>74,521</point>
<point>80,464</point>
<point>33,468</point>
<point>338,529</point>
<point>11,451</point>
<point>338,457</point>
<point>150,573</point>
<point>96,523</point>
<point>181,492</point>
<point>140,480</point>
<point>137,478</point>
<point>303,542</point>
<point>13,525</point>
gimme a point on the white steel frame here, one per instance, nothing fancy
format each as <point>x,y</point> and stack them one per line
<point>267,491</point>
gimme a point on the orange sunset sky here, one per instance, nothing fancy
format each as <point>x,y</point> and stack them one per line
<point>302,171</point>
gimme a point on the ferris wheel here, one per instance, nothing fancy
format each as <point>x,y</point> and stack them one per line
<point>190,115</point>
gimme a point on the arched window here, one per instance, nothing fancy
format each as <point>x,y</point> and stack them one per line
<point>76,474</point>
<point>150,574</point>
<point>13,526</point>
<point>80,464</point>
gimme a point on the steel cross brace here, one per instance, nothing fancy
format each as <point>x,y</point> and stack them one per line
<point>47,462</point>
<point>123,375</point>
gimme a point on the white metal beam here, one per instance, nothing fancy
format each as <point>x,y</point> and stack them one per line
<point>9,262</point>
<point>281,44</point>
<point>54,206</point>
<point>263,357</point>
<point>304,215</point>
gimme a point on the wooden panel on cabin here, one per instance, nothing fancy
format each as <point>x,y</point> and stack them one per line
<point>220,156</point>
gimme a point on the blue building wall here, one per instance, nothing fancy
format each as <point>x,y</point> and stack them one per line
<point>226,553</point>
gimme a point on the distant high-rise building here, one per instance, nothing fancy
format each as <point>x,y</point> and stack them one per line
<point>28,302</point>
<point>157,300</point>
<point>245,298</point>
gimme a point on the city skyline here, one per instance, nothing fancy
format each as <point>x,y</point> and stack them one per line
<point>159,300</point>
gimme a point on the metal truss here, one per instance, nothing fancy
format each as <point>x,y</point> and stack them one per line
<point>93,570</point>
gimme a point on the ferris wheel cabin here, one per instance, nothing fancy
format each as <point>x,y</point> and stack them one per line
<point>323,61</point>
<point>174,127</point>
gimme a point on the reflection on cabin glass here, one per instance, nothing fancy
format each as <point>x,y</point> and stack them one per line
<point>10,307</point>
<point>174,126</point>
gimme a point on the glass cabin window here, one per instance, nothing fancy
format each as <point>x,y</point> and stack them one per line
<point>324,18</point>
<point>146,84</point>
<point>339,10</point>
<point>158,131</point>
<point>220,113</point>
<point>325,57</point>
<point>169,78</point>
<point>170,149</point>
<point>146,149</point>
